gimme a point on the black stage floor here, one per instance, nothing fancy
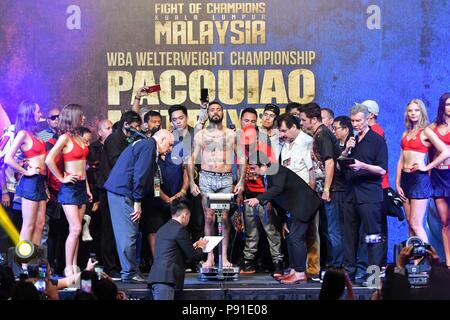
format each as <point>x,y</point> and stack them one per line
<point>247,287</point>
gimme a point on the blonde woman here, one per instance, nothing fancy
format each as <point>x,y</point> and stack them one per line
<point>413,180</point>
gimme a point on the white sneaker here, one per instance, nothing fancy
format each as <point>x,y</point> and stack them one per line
<point>86,236</point>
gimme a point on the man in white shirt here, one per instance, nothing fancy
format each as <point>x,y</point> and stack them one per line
<point>296,155</point>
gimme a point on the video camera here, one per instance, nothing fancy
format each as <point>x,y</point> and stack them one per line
<point>419,247</point>
<point>417,273</point>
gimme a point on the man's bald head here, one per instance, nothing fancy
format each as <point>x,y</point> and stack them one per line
<point>164,141</point>
<point>104,128</point>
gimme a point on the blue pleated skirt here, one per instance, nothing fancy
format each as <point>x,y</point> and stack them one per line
<point>32,188</point>
<point>73,193</point>
<point>440,179</point>
<point>416,185</point>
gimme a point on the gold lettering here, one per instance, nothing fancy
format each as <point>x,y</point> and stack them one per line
<point>253,86</point>
<point>236,85</point>
<point>273,87</point>
<point>179,32</point>
<point>190,31</point>
<point>118,81</point>
<point>222,30</point>
<point>206,32</point>
<point>169,8</point>
<point>163,29</point>
<point>301,84</point>
<point>239,34</point>
<point>201,79</point>
<point>165,80</point>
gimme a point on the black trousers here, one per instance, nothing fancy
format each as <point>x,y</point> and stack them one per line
<point>297,245</point>
<point>108,242</point>
<point>371,217</point>
<point>197,222</point>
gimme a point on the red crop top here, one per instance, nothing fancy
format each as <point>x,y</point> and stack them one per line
<point>445,138</point>
<point>77,152</point>
<point>37,147</point>
<point>414,144</point>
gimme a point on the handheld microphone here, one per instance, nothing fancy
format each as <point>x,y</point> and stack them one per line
<point>356,136</point>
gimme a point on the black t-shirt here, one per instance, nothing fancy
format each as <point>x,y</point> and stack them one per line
<point>363,186</point>
<point>339,183</point>
<point>326,146</point>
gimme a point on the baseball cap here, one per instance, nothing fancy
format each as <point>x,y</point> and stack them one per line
<point>372,106</point>
<point>274,108</point>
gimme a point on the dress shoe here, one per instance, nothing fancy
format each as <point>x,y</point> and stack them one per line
<point>284,276</point>
<point>294,279</point>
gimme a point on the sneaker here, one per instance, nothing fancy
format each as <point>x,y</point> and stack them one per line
<point>314,277</point>
<point>135,279</point>
<point>114,275</point>
<point>277,269</point>
<point>86,235</point>
<point>248,268</point>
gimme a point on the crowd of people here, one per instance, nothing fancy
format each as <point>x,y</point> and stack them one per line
<point>116,193</point>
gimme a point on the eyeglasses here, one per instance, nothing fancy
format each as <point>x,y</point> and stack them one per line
<point>335,128</point>
<point>54,117</point>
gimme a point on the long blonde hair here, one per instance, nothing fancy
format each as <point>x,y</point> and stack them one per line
<point>423,121</point>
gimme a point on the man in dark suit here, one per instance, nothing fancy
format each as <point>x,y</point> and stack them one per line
<point>294,195</point>
<point>173,247</point>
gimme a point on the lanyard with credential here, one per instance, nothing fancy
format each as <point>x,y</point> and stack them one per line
<point>157,180</point>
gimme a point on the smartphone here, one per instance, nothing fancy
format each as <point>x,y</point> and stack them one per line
<point>86,286</point>
<point>204,95</point>
<point>42,272</point>
<point>154,88</point>
<point>99,270</point>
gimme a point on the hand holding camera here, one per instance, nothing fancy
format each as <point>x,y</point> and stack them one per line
<point>92,262</point>
<point>404,256</point>
<point>414,249</point>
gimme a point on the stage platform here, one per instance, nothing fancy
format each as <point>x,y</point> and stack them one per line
<point>247,287</point>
